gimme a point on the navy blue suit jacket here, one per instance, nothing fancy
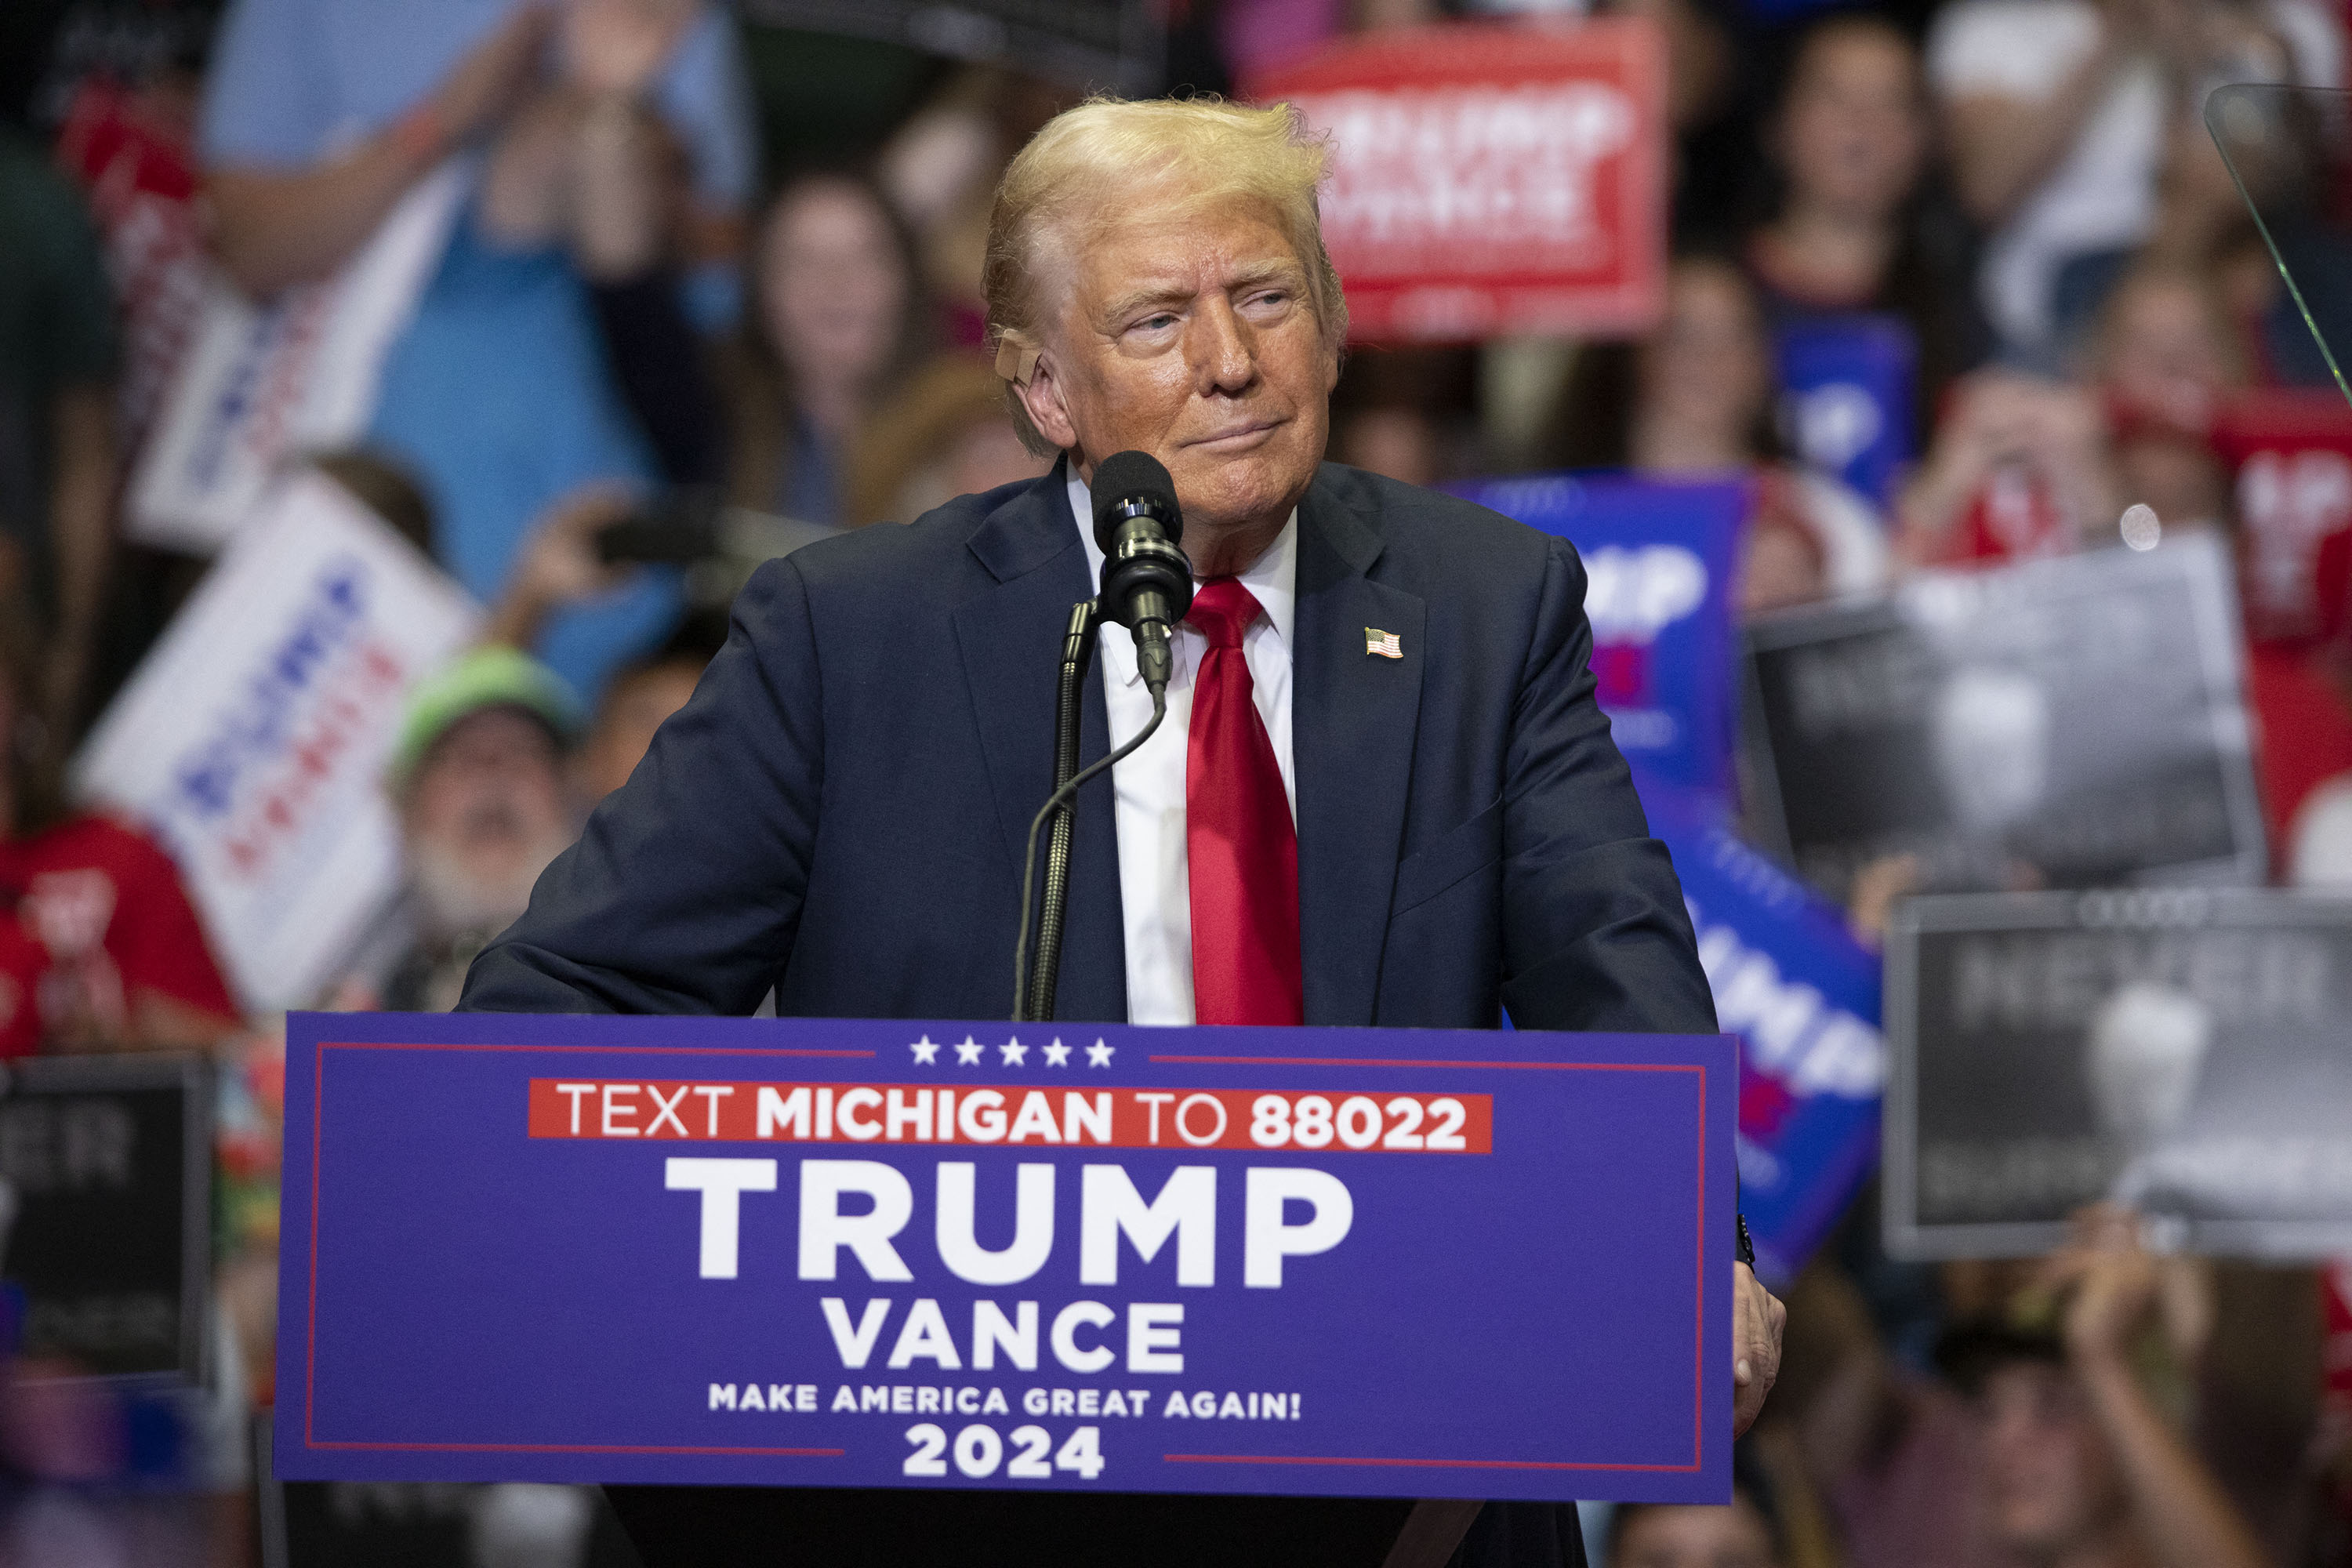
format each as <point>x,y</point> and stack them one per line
<point>840,812</point>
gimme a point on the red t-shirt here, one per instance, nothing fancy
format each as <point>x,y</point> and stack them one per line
<point>93,915</point>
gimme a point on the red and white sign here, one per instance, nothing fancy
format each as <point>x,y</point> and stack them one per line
<point>262,383</point>
<point>2291,450</point>
<point>1492,178</point>
<point>138,165</point>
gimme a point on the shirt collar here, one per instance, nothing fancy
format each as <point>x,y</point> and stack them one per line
<point>1272,579</point>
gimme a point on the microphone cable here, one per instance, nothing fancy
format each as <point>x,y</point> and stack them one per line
<point>1054,803</point>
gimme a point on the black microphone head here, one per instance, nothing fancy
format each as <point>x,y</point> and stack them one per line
<point>1128,483</point>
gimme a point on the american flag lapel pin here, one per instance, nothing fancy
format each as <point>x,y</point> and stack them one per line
<point>1387,645</point>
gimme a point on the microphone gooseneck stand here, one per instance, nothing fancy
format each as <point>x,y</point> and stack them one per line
<point>1038,1008</point>
<point>1078,652</point>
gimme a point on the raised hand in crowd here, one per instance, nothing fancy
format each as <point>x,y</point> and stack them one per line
<point>2111,1289</point>
<point>558,565</point>
<point>274,228</point>
<point>1878,888</point>
<point>588,162</point>
<point>612,48</point>
<point>2025,455</point>
<point>2007,129</point>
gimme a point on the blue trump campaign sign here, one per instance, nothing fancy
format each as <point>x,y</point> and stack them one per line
<point>878,1254</point>
<point>1847,383</point>
<point>1660,559</point>
<point>1802,995</point>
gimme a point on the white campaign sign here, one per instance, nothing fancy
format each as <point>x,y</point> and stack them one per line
<point>253,740</point>
<point>263,382</point>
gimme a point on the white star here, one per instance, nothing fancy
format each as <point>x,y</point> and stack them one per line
<point>968,1053</point>
<point>927,1051</point>
<point>1099,1055</point>
<point>1057,1055</point>
<point>1016,1055</point>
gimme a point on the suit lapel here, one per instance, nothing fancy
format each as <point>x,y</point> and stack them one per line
<point>1353,718</point>
<point>1010,639</point>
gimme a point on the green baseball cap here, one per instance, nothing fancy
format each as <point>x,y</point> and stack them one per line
<point>491,676</point>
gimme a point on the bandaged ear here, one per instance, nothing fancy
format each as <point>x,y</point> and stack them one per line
<point>1014,363</point>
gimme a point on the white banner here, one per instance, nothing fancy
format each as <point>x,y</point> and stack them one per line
<point>253,740</point>
<point>264,383</point>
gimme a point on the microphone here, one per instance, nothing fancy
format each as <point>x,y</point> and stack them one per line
<point>1147,580</point>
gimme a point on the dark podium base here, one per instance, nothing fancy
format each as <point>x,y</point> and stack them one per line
<point>760,1527</point>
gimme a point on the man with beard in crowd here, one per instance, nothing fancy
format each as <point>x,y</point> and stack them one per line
<point>479,779</point>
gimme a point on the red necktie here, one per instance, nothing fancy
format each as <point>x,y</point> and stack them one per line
<point>1238,838</point>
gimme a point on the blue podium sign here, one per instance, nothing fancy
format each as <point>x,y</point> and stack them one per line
<point>852,1253</point>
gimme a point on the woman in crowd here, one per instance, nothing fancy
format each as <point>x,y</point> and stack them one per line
<point>100,949</point>
<point>837,320</point>
<point>1851,231</point>
<point>1694,401</point>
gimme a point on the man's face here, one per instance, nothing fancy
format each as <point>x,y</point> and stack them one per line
<point>2048,1479</point>
<point>485,813</point>
<point>1191,337</point>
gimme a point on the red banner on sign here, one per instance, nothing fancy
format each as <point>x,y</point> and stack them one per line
<point>1332,1121</point>
<point>1492,179</point>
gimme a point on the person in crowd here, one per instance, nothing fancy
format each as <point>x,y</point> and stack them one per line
<point>122,86</point>
<point>945,434</point>
<point>1711,109</point>
<point>321,117</point>
<point>1742,1533</point>
<point>2165,356</point>
<point>580,169</point>
<point>2081,1465</point>
<point>836,323</point>
<point>558,565</point>
<point>2019,468</point>
<point>2054,111</point>
<point>2025,467</point>
<point>479,776</point>
<point>639,699</point>
<point>2201,227</point>
<point>1694,401</point>
<point>1398,412</point>
<point>1853,230</point>
<point>57,362</point>
<point>783,835</point>
<point>940,171</point>
<point>2042,1444</point>
<point>2058,114</point>
<point>100,948</point>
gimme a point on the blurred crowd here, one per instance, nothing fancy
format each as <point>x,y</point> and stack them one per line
<point>709,268</point>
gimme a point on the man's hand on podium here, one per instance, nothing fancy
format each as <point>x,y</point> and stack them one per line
<point>1756,1318</point>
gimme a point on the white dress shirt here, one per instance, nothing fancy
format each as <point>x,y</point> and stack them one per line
<point>1154,879</point>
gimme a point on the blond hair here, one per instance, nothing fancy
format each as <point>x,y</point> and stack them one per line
<point>1109,150</point>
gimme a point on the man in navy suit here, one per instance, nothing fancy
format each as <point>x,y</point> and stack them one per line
<point>1383,794</point>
